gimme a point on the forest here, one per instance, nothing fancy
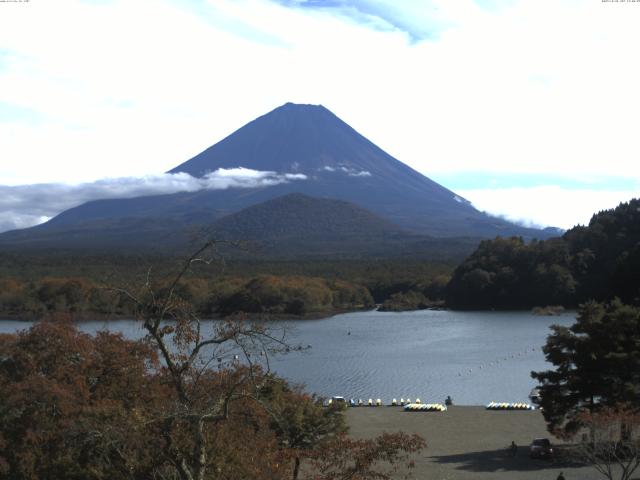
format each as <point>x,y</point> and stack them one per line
<point>265,295</point>
<point>87,286</point>
<point>599,262</point>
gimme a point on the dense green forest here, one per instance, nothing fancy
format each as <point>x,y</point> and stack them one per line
<point>599,261</point>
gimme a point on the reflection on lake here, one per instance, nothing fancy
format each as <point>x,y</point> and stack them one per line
<point>475,357</point>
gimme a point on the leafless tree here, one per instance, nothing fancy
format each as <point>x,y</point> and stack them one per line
<point>610,441</point>
<point>229,355</point>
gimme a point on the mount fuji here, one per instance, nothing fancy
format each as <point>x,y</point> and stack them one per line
<point>306,150</point>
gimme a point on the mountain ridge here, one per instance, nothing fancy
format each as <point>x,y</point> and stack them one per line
<point>336,161</point>
<point>300,216</point>
<point>288,227</point>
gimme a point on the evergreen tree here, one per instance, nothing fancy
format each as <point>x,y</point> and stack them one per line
<point>597,364</point>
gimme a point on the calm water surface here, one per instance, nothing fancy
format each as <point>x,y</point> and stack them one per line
<point>475,357</point>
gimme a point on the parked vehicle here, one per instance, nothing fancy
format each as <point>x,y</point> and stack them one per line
<point>541,448</point>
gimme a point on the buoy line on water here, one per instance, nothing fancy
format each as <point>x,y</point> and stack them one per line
<point>497,362</point>
<point>492,364</point>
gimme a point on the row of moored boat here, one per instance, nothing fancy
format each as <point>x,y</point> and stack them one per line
<point>415,405</point>
<point>509,406</point>
<point>425,407</point>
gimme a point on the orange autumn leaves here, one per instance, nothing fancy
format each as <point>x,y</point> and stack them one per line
<point>77,406</point>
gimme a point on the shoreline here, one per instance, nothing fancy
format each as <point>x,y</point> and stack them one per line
<point>106,317</point>
<point>319,315</point>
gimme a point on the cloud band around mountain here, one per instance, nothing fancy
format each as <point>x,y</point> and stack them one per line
<point>23,206</point>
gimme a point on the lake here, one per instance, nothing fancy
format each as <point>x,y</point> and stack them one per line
<point>476,357</point>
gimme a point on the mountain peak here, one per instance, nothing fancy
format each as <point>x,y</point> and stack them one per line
<point>300,106</point>
<point>293,138</point>
<point>340,163</point>
<point>331,160</point>
<point>307,115</point>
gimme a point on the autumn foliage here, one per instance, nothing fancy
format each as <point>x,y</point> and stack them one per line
<point>77,406</point>
<point>611,441</point>
<point>74,406</point>
<point>192,400</point>
<point>262,294</point>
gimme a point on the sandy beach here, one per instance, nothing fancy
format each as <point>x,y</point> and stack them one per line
<point>468,442</point>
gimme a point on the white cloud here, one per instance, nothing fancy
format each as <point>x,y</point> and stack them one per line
<point>547,205</point>
<point>27,205</point>
<point>135,88</point>
<point>352,172</point>
<point>12,220</point>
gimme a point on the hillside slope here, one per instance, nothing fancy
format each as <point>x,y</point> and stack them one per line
<point>599,261</point>
<point>292,226</point>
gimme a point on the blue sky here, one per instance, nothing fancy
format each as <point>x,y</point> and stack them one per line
<point>527,108</point>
